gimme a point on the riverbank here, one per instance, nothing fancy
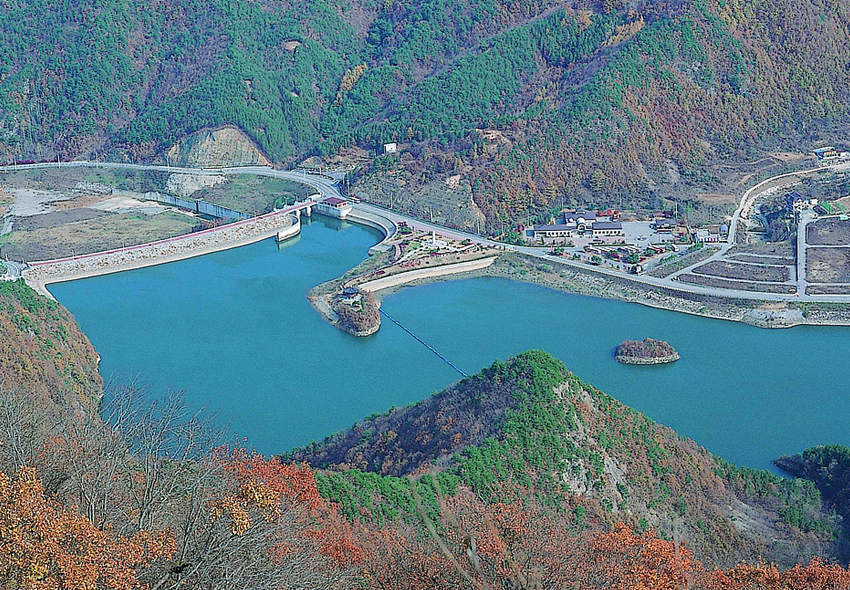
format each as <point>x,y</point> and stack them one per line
<point>424,274</point>
<point>234,235</point>
<point>763,314</point>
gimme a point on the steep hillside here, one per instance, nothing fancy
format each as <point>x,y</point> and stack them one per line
<point>43,352</point>
<point>829,467</point>
<point>531,103</point>
<point>529,424</point>
<point>218,147</point>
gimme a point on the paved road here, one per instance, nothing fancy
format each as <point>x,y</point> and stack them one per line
<point>327,187</point>
<point>13,268</point>
<point>806,217</point>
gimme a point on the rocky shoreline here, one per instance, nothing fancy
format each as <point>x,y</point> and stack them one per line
<point>632,360</point>
<point>326,306</point>
<point>762,314</point>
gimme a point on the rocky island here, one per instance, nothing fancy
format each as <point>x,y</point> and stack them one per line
<point>646,352</point>
<point>357,311</point>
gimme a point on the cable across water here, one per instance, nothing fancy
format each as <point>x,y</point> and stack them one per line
<point>425,344</point>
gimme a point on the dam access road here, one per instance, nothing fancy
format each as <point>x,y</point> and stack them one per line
<point>327,186</point>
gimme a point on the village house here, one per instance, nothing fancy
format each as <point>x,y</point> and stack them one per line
<point>575,223</point>
<point>611,214</point>
<point>664,225</point>
<point>797,203</point>
<point>552,231</point>
<point>826,153</point>
<point>706,236</point>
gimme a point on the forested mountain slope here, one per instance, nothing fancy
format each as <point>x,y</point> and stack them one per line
<point>531,101</point>
<point>43,352</point>
<point>529,424</point>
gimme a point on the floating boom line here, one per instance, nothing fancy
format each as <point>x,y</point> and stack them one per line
<point>423,343</point>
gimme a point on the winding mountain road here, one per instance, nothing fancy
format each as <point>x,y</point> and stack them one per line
<point>327,187</point>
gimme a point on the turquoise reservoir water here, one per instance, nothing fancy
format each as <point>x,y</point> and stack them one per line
<point>235,331</point>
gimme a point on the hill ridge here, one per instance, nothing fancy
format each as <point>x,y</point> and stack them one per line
<point>541,428</point>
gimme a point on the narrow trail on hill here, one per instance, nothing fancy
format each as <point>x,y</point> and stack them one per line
<point>425,344</point>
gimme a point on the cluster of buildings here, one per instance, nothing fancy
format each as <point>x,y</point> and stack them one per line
<point>579,223</point>
<point>797,203</point>
<point>632,254</point>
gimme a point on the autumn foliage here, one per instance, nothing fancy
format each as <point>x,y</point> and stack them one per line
<point>272,489</point>
<point>44,546</point>
<point>470,544</point>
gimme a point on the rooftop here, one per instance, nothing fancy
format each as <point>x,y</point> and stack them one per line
<point>557,227</point>
<point>335,201</point>
<point>607,225</point>
<point>824,150</point>
<point>587,215</point>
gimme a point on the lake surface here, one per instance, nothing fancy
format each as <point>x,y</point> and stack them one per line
<point>235,330</point>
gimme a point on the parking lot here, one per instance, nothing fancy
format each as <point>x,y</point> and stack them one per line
<point>641,232</point>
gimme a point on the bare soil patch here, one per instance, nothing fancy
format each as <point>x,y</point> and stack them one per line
<point>736,285</point>
<point>828,232</point>
<point>55,219</point>
<point>717,198</point>
<point>785,248</point>
<point>828,290</point>
<point>79,202</point>
<point>828,265</point>
<point>771,260</point>
<point>94,235</point>
<point>747,272</point>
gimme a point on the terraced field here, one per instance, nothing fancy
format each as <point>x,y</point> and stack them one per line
<point>720,283</point>
<point>744,272</point>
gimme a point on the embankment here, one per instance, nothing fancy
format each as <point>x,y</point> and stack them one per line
<point>762,314</point>
<point>241,233</point>
<point>519,267</point>
<point>426,273</point>
<point>376,221</point>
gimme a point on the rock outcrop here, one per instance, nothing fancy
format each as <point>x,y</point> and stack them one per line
<point>227,146</point>
<point>185,185</point>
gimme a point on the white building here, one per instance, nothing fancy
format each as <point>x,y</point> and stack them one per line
<point>334,207</point>
<point>390,148</point>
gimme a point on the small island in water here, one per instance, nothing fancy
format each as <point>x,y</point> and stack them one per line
<point>646,352</point>
<point>357,311</point>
